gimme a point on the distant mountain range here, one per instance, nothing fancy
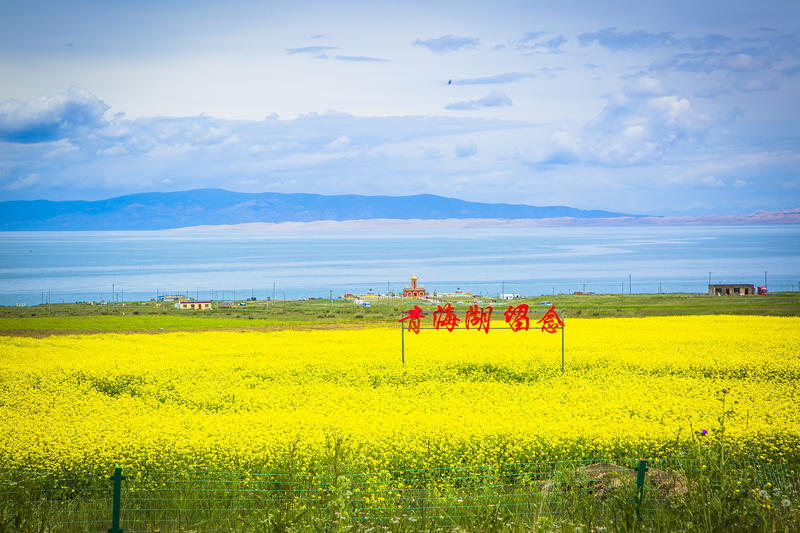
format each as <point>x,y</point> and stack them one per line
<point>202,207</point>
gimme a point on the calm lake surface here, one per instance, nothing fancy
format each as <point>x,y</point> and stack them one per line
<point>313,260</point>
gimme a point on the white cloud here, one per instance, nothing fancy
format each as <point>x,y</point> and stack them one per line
<point>167,150</point>
<point>712,181</point>
<point>22,182</point>
<point>644,86</point>
<point>749,64</point>
<point>58,148</point>
<point>640,130</point>
<point>616,40</point>
<point>675,110</point>
<point>314,50</point>
<point>340,142</point>
<point>257,149</point>
<point>447,43</point>
<point>117,149</point>
<point>49,118</point>
<point>493,99</point>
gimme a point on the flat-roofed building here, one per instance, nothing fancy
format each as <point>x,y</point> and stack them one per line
<point>731,289</point>
<point>193,305</point>
<point>172,297</point>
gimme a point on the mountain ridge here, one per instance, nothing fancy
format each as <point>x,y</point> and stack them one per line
<point>208,207</point>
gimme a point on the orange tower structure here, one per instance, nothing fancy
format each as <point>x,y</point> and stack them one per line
<point>414,291</point>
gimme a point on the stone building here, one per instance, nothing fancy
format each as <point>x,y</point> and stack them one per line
<point>731,289</point>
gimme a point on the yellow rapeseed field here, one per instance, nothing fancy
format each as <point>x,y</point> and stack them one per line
<point>633,388</point>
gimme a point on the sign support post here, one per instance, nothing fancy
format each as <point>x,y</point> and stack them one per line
<point>402,343</point>
<point>562,342</point>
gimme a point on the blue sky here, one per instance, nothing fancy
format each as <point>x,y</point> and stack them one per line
<point>673,109</point>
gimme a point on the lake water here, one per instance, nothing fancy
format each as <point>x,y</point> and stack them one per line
<point>317,259</point>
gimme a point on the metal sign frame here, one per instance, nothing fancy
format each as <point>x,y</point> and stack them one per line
<point>560,313</point>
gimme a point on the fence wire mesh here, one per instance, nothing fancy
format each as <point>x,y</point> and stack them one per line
<point>474,498</point>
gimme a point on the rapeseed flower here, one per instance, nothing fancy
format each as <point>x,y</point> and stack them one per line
<point>266,401</point>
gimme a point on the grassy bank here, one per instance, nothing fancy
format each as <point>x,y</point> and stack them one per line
<point>546,497</point>
<point>152,316</point>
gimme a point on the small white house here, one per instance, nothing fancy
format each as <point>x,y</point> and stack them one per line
<point>508,296</point>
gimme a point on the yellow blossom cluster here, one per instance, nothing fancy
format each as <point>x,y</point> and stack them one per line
<point>226,400</point>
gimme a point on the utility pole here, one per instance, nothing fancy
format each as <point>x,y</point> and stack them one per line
<point>765,279</point>
<point>273,291</point>
<point>630,290</point>
<point>330,298</point>
<point>709,278</point>
<point>113,297</point>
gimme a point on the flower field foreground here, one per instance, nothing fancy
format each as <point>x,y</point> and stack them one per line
<point>255,401</point>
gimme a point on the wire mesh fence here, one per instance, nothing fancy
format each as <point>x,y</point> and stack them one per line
<point>475,498</point>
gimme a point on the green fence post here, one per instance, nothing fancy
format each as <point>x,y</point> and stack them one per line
<point>117,477</point>
<point>640,471</point>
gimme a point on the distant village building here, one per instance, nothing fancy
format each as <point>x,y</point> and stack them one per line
<point>193,305</point>
<point>172,297</point>
<point>414,291</point>
<point>728,289</point>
